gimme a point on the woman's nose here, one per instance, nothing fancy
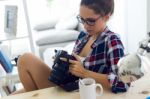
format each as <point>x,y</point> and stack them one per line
<point>86,26</point>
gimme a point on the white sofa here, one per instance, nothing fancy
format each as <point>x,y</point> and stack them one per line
<point>49,53</point>
<point>55,37</point>
<point>57,27</point>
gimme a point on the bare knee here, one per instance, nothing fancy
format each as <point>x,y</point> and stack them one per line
<point>24,60</point>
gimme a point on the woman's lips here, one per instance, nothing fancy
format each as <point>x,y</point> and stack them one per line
<point>89,31</point>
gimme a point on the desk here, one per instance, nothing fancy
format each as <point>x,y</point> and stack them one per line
<point>138,90</point>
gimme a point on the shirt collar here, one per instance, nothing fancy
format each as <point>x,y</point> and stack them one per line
<point>100,37</point>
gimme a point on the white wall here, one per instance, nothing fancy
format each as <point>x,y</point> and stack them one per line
<point>130,21</point>
<point>117,21</point>
<point>136,23</point>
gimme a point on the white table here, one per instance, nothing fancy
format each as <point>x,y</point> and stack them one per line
<point>139,90</point>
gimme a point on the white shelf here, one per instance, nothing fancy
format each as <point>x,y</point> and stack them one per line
<point>6,37</point>
<point>23,23</point>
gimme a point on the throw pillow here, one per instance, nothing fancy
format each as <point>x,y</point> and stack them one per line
<point>56,36</point>
<point>69,23</point>
<point>46,24</point>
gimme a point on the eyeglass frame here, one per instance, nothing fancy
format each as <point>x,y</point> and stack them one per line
<point>87,21</point>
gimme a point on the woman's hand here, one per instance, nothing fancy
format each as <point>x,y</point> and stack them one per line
<point>76,67</point>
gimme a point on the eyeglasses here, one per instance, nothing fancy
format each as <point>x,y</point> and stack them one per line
<point>88,21</point>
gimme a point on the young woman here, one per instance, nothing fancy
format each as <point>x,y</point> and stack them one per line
<point>97,51</point>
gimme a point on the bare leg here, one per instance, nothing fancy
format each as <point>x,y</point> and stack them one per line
<point>33,72</point>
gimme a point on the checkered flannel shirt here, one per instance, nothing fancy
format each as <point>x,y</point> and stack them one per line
<point>106,51</point>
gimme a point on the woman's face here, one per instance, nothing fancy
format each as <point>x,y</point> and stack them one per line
<point>93,23</point>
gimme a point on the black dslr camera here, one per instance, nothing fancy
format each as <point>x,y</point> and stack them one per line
<point>60,74</point>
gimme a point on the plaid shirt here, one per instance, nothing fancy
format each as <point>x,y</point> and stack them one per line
<point>103,58</point>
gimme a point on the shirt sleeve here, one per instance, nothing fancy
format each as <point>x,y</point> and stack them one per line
<point>115,52</point>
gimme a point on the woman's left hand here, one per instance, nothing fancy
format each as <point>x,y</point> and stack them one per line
<point>76,67</point>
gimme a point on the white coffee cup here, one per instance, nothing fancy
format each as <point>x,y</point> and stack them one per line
<point>87,89</point>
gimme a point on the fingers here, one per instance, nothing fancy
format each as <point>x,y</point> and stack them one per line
<point>63,59</point>
<point>72,68</point>
<point>70,61</point>
<point>73,72</point>
<point>76,56</point>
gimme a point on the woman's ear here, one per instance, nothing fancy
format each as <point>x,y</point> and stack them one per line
<point>107,17</point>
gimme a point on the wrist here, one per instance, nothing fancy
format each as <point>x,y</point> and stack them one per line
<point>85,73</point>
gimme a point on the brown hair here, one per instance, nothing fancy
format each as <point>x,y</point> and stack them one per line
<point>103,7</point>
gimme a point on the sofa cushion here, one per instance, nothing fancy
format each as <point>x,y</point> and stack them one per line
<point>45,24</point>
<point>55,36</point>
<point>67,23</point>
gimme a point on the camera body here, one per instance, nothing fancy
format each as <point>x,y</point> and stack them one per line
<point>60,74</point>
